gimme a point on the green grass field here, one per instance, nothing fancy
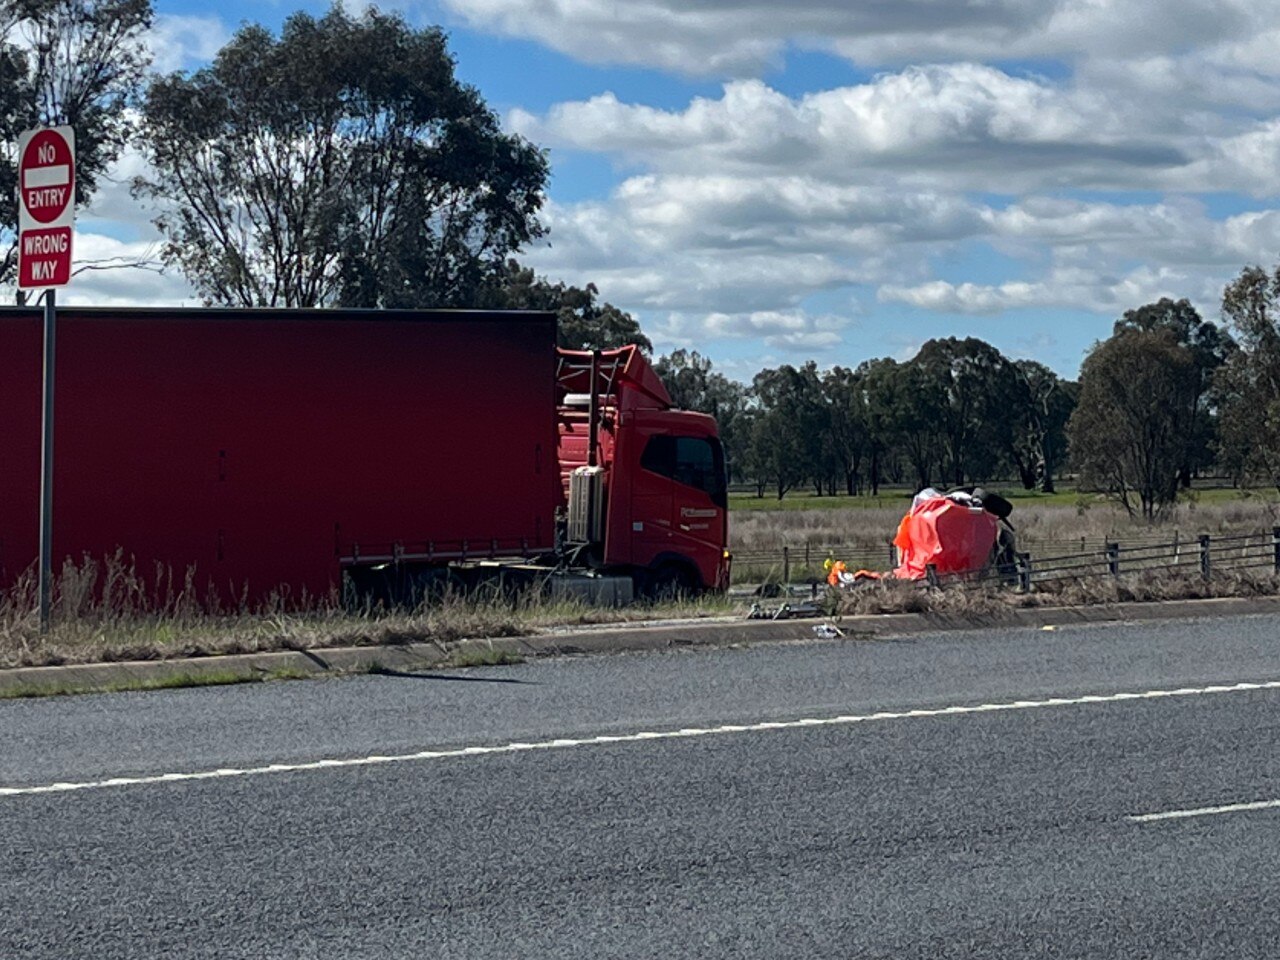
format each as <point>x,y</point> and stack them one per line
<point>1066,496</point>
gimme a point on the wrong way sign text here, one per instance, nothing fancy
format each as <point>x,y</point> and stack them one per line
<point>46,206</point>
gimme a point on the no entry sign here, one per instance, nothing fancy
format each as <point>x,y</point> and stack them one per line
<point>46,206</point>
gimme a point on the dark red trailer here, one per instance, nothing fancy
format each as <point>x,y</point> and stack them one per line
<point>274,450</point>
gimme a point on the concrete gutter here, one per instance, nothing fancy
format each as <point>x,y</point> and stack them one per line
<point>613,638</point>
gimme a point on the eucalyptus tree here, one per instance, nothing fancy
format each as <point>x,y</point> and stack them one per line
<point>1132,427</point>
<point>1248,383</point>
<point>1209,345</point>
<point>968,391</point>
<point>1037,429</point>
<point>848,436</point>
<point>787,431</point>
<point>342,163</point>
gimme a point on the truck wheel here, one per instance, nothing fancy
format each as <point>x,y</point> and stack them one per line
<point>672,581</point>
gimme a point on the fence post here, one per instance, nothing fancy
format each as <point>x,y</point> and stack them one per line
<point>1275,546</point>
<point>806,557</point>
<point>1113,558</point>
<point>931,574</point>
<point>893,556</point>
<point>1024,572</point>
<point>1205,568</point>
<point>786,565</point>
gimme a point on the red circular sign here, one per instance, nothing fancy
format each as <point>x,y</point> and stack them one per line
<point>47,176</point>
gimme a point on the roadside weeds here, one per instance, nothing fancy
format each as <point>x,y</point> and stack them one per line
<point>168,682</point>
<point>105,612</point>
<point>992,601</point>
<point>170,645</point>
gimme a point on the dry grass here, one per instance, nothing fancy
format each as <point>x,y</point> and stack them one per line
<point>1091,520</point>
<point>173,681</point>
<point>105,612</point>
<point>989,602</point>
<point>1153,586</point>
<point>907,596</point>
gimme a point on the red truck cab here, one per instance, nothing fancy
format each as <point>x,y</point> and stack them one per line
<point>664,493</point>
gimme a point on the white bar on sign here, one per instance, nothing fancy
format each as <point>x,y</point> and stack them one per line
<point>34,177</point>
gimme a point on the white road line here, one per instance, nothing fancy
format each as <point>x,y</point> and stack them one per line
<point>807,723</point>
<point>1204,811</point>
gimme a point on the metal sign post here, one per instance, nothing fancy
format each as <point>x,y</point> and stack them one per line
<point>46,222</point>
<point>46,464</point>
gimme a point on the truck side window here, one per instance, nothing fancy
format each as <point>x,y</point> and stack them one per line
<point>660,456</point>
<point>693,461</point>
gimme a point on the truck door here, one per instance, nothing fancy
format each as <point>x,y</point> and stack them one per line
<point>652,499</point>
<point>680,490</point>
<point>700,499</point>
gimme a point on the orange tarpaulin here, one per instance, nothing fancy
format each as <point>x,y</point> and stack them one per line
<point>954,537</point>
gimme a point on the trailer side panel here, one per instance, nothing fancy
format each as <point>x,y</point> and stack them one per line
<point>260,447</point>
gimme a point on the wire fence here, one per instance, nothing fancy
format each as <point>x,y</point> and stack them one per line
<point>1054,561</point>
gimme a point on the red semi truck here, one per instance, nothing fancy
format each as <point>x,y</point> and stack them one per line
<point>303,452</point>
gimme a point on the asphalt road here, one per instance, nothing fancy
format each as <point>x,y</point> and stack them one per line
<point>1001,828</point>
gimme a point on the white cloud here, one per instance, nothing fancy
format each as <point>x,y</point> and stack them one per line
<point>790,214</point>
<point>681,37</point>
<point>113,204</point>
<point>733,258</point>
<point>790,331</point>
<point>644,253</point>
<point>683,242</point>
<point>185,42</point>
<point>969,298</point>
<point>743,37</point>
<point>1073,288</point>
<point>1245,163</point>
<point>949,127</point>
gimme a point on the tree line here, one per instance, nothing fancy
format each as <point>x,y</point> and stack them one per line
<point>958,412</point>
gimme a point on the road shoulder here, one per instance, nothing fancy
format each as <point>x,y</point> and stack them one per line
<point>619,638</point>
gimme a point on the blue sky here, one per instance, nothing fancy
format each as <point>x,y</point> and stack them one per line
<point>809,179</point>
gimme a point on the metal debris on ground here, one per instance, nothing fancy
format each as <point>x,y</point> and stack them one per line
<point>785,611</point>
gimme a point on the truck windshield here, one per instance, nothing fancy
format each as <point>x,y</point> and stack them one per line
<point>693,461</point>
